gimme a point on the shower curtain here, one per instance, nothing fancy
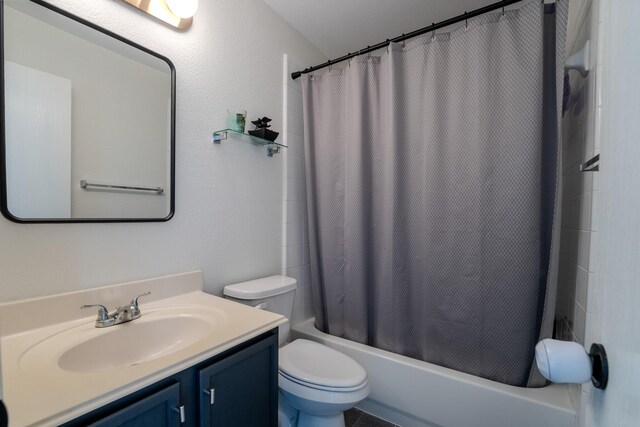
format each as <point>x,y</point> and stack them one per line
<point>432,188</point>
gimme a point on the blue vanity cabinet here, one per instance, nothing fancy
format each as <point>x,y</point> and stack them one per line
<point>237,388</point>
<point>241,390</point>
<point>158,409</point>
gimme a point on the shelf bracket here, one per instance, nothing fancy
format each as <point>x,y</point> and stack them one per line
<point>272,150</point>
<point>219,136</point>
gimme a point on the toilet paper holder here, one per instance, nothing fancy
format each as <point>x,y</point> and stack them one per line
<point>568,362</point>
<point>600,366</point>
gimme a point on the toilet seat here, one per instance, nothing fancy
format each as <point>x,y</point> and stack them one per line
<point>317,366</point>
<point>295,391</point>
<point>323,387</point>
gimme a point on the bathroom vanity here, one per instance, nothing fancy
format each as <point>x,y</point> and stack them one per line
<point>191,359</point>
<point>236,388</point>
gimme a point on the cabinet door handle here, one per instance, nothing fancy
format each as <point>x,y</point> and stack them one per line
<point>212,395</point>
<point>180,411</point>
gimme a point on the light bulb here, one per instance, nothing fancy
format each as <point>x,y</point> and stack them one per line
<point>183,8</point>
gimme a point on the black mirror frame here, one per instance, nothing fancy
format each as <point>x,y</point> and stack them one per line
<point>3,180</point>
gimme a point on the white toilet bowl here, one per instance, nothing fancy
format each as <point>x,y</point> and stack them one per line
<point>317,384</point>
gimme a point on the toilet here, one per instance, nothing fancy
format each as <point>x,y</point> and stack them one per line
<point>317,383</point>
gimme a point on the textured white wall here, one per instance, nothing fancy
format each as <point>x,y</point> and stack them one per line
<point>228,218</point>
<point>338,26</point>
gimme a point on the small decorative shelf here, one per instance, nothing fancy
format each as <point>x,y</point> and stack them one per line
<point>272,147</point>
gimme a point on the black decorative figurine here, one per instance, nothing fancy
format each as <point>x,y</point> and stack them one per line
<point>262,129</point>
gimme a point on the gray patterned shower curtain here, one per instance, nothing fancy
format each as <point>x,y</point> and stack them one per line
<point>432,189</point>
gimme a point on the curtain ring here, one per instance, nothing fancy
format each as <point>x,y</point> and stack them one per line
<point>433,31</point>
<point>403,41</point>
<point>368,54</point>
<point>466,21</point>
<point>388,43</point>
<point>330,67</point>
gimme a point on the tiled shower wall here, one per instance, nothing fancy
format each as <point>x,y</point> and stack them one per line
<point>580,142</point>
<point>296,235</point>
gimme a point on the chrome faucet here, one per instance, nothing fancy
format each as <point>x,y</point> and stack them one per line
<point>123,314</point>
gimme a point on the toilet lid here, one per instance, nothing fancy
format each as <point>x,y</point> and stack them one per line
<point>318,364</point>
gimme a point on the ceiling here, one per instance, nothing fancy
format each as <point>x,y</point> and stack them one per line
<point>337,27</point>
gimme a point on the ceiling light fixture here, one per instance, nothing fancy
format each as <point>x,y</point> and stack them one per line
<point>177,13</point>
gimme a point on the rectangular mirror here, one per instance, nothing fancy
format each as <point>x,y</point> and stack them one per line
<point>88,132</point>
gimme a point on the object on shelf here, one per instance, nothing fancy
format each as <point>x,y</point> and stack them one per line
<point>262,129</point>
<point>236,119</point>
<point>263,133</point>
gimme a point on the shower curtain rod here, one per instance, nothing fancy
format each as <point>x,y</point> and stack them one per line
<point>432,27</point>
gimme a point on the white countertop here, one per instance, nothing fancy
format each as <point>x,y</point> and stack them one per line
<point>51,395</point>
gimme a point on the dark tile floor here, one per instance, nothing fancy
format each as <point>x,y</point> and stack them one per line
<point>357,418</point>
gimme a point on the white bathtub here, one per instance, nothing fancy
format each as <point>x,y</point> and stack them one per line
<point>412,393</point>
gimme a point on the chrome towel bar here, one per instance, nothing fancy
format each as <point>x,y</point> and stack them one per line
<point>110,187</point>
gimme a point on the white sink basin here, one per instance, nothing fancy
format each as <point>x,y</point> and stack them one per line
<point>133,343</point>
<point>86,349</point>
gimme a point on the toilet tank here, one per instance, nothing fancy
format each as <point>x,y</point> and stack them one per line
<point>273,293</point>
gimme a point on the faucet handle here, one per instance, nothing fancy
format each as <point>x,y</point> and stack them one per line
<point>134,310</point>
<point>103,313</point>
<point>134,301</point>
<point>103,319</point>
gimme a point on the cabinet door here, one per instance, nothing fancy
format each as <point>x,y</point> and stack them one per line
<point>242,390</point>
<point>159,410</point>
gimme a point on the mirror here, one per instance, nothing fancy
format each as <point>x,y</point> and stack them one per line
<point>88,130</point>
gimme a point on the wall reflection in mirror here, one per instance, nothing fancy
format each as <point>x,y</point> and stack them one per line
<point>83,105</point>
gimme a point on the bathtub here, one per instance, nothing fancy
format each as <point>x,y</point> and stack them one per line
<point>412,393</point>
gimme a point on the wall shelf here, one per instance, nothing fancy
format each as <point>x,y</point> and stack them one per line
<point>272,147</point>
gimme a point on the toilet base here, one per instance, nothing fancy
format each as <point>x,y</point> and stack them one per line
<point>310,420</point>
<point>287,414</point>
<point>310,414</point>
